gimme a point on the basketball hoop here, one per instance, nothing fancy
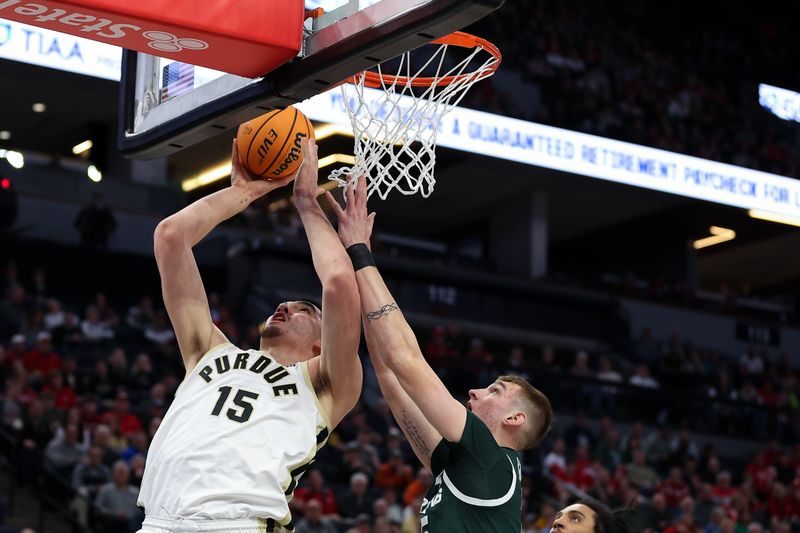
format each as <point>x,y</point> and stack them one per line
<point>395,127</point>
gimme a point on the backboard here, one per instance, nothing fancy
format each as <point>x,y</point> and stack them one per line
<point>166,106</point>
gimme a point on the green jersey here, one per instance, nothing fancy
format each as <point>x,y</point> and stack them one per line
<point>477,485</point>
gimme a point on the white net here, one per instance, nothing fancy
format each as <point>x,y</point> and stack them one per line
<point>395,125</point>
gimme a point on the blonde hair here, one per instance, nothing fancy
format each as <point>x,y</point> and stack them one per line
<point>538,410</point>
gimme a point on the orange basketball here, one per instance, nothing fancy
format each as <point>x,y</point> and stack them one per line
<point>269,145</point>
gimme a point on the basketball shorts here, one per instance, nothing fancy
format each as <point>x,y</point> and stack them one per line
<point>242,525</point>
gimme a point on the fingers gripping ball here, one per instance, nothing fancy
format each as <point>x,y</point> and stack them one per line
<point>269,145</point>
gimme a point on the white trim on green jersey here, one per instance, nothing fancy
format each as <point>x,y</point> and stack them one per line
<point>469,500</point>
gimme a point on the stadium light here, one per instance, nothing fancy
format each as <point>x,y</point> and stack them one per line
<point>224,170</point>
<point>718,235</point>
<point>15,159</point>
<point>337,158</point>
<point>94,174</point>
<point>329,130</point>
<point>82,147</point>
<point>207,176</point>
<point>774,217</point>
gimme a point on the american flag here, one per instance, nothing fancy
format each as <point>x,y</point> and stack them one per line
<point>176,79</point>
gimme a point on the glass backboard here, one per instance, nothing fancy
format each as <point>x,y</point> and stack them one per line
<point>166,106</point>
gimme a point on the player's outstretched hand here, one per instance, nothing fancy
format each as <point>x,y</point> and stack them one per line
<point>241,177</point>
<point>355,225</point>
<point>306,187</point>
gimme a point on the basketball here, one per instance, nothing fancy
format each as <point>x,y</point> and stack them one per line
<point>269,145</point>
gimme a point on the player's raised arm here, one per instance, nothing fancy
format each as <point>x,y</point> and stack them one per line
<point>392,342</point>
<point>355,226</point>
<point>422,436</point>
<point>338,369</point>
<point>181,285</point>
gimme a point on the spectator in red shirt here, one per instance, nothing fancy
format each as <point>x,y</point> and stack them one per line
<point>555,462</point>
<point>394,473</point>
<point>583,480</point>
<point>315,489</point>
<point>583,464</point>
<point>90,417</point>
<point>759,472</point>
<point>65,398</point>
<point>437,351</point>
<point>126,422</point>
<point>16,347</point>
<point>674,488</point>
<point>14,354</point>
<point>780,503</point>
<point>773,452</point>
<point>42,359</point>
<point>723,491</point>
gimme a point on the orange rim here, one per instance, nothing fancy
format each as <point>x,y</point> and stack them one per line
<point>457,38</point>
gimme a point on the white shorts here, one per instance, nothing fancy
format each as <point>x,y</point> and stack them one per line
<point>242,525</point>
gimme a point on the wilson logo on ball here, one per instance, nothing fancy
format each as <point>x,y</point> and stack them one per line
<point>292,156</point>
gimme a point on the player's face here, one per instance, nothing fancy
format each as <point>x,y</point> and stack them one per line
<point>295,318</point>
<point>492,403</point>
<point>576,518</point>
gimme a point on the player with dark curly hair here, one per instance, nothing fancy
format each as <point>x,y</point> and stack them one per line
<point>589,516</point>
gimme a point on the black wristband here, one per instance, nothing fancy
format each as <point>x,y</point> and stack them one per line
<point>360,256</point>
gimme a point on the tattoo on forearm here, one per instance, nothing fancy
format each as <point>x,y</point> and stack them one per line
<point>413,434</point>
<point>382,312</point>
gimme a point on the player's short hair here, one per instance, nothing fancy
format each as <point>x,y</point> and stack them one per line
<point>536,407</point>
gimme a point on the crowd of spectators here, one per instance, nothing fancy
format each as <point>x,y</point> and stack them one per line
<point>670,483</point>
<point>669,380</point>
<point>651,74</point>
<point>86,384</point>
<point>754,393</point>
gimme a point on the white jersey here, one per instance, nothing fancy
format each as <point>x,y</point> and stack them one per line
<point>239,434</point>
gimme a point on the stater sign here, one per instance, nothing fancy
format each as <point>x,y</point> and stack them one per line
<point>243,37</point>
